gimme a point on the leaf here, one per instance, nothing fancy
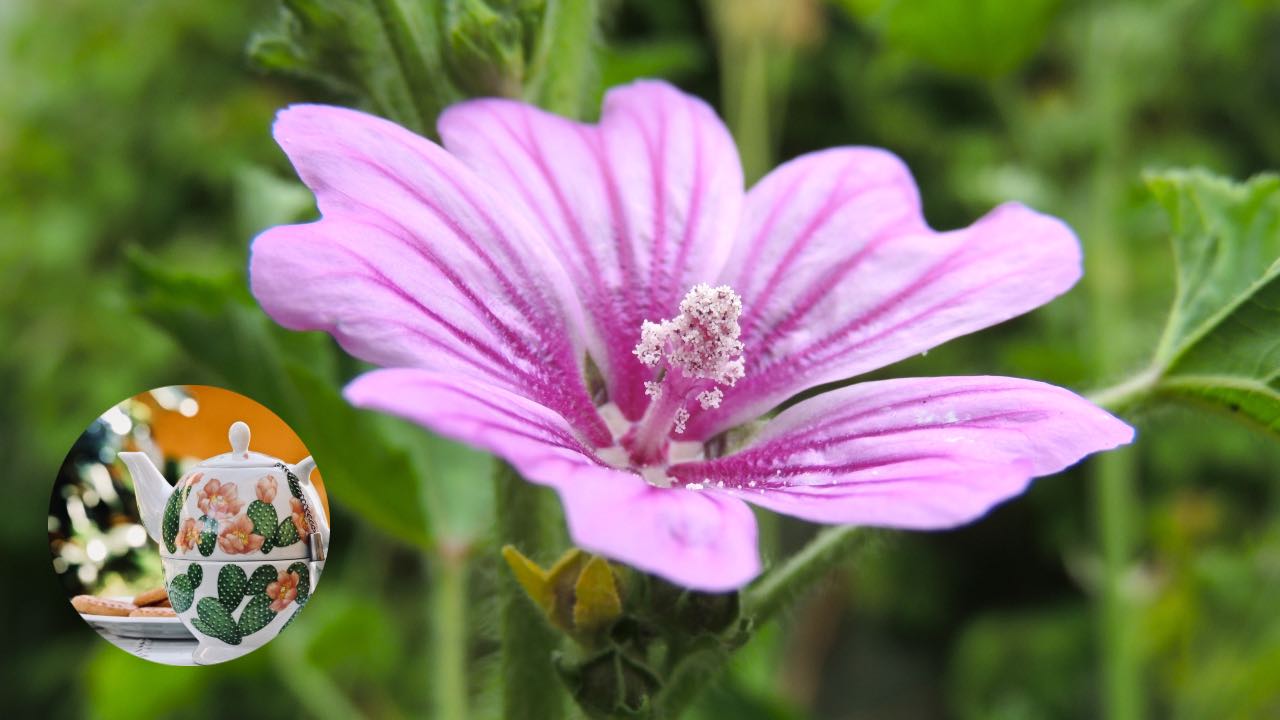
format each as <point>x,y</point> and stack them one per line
<point>980,37</point>
<point>384,55</point>
<point>1222,342</point>
<point>373,472</point>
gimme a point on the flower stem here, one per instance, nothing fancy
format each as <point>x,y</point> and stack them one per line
<point>563,60</point>
<point>449,624</point>
<point>770,594</point>
<point>531,688</point>
<point>785,583</point>
<point>1107,280</point>
<point>409,46</point>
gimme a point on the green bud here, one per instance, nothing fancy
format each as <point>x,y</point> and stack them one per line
<point>485,45</point>
<point>610,684</point>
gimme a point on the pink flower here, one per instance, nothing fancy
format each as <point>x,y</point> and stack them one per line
<point>237,537</point>
<point>485,271</point>
<point>267,488</point>
<point>299,517</point>
<point>283,591</point>
<point>218,500</point>
<point>188,535</point>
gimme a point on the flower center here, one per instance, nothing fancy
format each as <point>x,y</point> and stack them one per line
<point>694,353</point>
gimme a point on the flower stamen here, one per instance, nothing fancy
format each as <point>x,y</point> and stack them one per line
<point>696,352</point>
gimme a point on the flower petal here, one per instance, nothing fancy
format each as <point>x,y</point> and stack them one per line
<point>839,275</point>
<point>639,208</point>
<point>699,540</point>
<point>415,264</point>
<point>914,453</point>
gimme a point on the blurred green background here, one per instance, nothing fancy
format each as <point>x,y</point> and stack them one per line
<point>136,164</point>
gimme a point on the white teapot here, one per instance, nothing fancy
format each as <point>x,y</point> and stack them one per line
<point>243,537</point>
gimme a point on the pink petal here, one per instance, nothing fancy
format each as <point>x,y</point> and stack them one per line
<point>914,453</point>
<point>700,540</point>
<point>415,263</point>
<point>639,208</point>
<point>839,275</point>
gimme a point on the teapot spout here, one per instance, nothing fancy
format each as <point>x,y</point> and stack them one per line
<point>303,471</point>
<point>152,490</point>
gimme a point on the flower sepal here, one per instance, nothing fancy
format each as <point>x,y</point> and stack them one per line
<point>580,595</point>
<point>608,684</point>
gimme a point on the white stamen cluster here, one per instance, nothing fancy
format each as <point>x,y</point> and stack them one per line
<point>702,340</point>
<point>653,389</point>
<point>710,398</point>
<point>682,419</point>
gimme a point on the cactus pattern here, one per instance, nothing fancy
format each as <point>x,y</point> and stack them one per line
<point>304,582</point>
<point>208,536</point>
<point>264,520</point>
<point>287,533</point>
<point>232,586</point>
<point>169,523</point>
<point>182,590</point>
<point>214,620</point>
<point>196,574</point>
<point>256,615</point>
<point>262,577</point>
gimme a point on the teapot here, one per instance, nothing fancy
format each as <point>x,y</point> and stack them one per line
<point>242,536</point>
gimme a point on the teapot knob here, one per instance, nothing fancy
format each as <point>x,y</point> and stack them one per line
<point>239,436</point>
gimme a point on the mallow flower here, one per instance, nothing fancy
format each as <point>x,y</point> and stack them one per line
<point>604,307</point>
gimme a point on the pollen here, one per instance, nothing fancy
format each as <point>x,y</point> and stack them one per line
<point>702,341</point>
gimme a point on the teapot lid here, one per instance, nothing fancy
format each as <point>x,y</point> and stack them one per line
<point>240,455</point>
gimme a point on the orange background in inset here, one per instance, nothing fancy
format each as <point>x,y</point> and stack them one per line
<point>205,434</point>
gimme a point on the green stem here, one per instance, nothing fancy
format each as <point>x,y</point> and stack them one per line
<point>783,584</point>
<point>562,64</point>
<point>531,688</point>
<point>770,594</point>
<point>1129,393</point>
<point>449,624</point>
<point>1114,473</point>
<point>409,44</point>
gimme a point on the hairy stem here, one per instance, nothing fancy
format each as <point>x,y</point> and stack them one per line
<point>531,688</point>
<point>449,624</point>
<point>408,45</point>
<point>788,581</point>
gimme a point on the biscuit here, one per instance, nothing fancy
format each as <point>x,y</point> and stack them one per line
<point>150,597</point>
<point>153,612</point>
<point>90,605</point>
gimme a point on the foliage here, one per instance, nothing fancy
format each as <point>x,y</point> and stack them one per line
<point>136,164</point>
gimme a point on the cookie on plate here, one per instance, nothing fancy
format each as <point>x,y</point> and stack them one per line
<point>150,597</point>
<point>153,612</point>
<point>90,605</point>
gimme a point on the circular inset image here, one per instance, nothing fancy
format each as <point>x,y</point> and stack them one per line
<point>189,525</point>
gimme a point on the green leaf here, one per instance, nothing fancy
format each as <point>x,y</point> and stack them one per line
<point>384,55</point>
<point>1222,343</point>
<point>980,37</point>
<point>373,472</point>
